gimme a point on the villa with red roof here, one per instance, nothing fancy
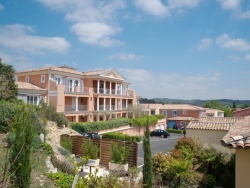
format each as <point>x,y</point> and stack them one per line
<point>80,96</point>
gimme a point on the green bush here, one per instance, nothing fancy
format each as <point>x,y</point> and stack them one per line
<point>66,166</point>
<point>142,121</point>
<point>160,116</point>
<point>90,149</point>
<point>208,181</point>
<point>100,125</point>
<point>62,180</point>
<point>66,143</point>
<point>175,131</point>
<point>121,137</point>
<point>119,153</point>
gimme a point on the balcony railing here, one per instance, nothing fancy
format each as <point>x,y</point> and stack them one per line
<point>69,108</point>
<point>114,92</point>
<point>77,90</point>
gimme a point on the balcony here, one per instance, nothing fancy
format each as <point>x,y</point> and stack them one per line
<point>77,89</point>
<point>114,92</point>
<point>73,108</point>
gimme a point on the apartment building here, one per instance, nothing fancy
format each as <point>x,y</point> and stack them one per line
<point>80,96</point>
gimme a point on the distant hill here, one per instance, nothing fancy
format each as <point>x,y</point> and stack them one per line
<point>197,102</point>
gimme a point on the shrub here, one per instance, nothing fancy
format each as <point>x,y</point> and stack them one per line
<point>121,137</point>
<point>208,181</point>
<point>90,150</point>
<point>64,151</point>
<point>62,180</point>
<point>175,131</point>
<point>188,143</point>
<point>98,126</point>
<point>119,153</point>
<point>142,121</point>
<point>65,166</point>
<point>67,143</point>
<point>160,116</point>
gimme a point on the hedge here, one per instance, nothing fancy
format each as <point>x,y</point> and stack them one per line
<point>142,121</point>
<point>98,126</point>
<point>175,131</point>
<point>121,137</point>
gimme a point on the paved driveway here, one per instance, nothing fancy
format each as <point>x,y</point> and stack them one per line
<point>158,145</point>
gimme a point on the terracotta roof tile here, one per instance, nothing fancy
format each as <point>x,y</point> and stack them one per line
<point>29,86</point>
<point>180,107</point>
<point>150,106</point>
<point>179,118</point>
<point>239,135</point>
<point>60,69</point>
<point>213,123</point>
<point>95,72</point>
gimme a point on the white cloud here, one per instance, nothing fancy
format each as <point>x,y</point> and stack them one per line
<point>19,37</point>
<point>204,44</point>
<point>238,44</point>
<point>247,57</point>
<point>96,33</point>
<point>230,4</point>
<point>92,21</point>
<point>1,7</point>
<point>125,56</point>
<point>155,8</point>
<point>177,4</point>
<point>171,85</point>
<point>244,15</point>
<point>233,58</point>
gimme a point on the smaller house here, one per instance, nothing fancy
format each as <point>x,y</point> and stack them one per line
<point>30,93</point>
<point>242,113</point>
<point>179,122</point>
<point>176,114</point>
<point>211,129</point>
<point>238,140</point>
<point>151,109</point>
<point>214,113</point>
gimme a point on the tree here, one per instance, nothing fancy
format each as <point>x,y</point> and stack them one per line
<point>8,88</point>
<point>213,104</point>
<point>234,106</point>
<point>23,129</point>
<point>147,168</point>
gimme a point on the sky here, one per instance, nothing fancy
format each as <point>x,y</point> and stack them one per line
<point>179,49</point>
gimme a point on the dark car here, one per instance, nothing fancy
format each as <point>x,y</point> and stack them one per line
<point>161,133</point>
<point>91,135</point>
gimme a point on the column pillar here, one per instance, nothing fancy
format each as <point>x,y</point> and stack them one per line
<point>120,104</point>
<point>98,85</point>
<point>104,87</point>
<point>116,88</point>
<point>116,104</point>
<point>121,88</point>
<point>104,103</point>
<point>110,88</point>
<point>126,103</point>
<point>76,103</point>
<point>97,103</point>
<point>110,104</point>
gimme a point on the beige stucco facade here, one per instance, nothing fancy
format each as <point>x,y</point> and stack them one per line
<point>242,168</point>
<point>83,96</point>
<point>210,138</point>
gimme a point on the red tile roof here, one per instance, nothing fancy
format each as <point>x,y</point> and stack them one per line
<point>213,123</point>
<point>28,86</point>
<point>239,135</point>
<point>180,107</point>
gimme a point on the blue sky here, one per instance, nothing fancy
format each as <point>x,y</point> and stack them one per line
<point>192,49</point>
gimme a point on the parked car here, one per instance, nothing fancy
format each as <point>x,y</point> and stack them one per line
<point>161,133</point>
<point>91,135</point>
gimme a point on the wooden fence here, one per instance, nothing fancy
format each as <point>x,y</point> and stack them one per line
<point>105,146</point>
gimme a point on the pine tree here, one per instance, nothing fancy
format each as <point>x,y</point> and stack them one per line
<point>8,88</point>
<point>147,168</point>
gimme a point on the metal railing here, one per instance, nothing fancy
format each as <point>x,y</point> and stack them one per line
<point>69,108</point>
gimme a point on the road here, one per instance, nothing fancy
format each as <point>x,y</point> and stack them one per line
<point>158,145</point>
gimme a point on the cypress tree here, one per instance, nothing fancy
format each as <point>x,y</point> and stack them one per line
<point>147,168</point>
<point>23,129</point>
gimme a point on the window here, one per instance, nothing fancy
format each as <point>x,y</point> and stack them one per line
<point>76,83</point>
<point>27,79</point>
<point>42,78</point>
<point>32,99</point>
<point>184,112</point>
<point>174,113</point>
